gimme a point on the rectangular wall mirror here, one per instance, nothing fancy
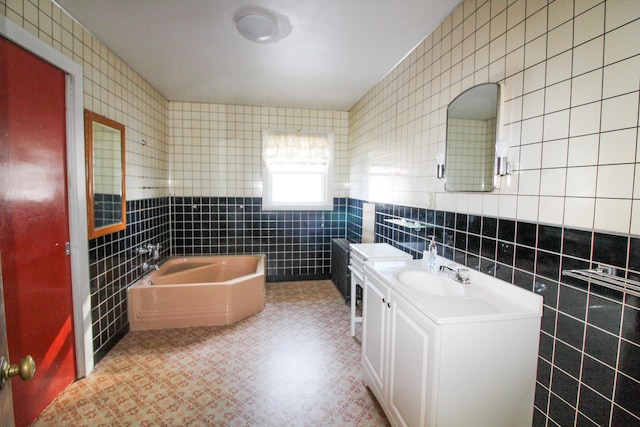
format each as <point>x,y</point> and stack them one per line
<point>105,167</point>
<point>471,139</point>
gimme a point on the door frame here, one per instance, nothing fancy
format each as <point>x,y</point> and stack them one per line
<point>76,185</point>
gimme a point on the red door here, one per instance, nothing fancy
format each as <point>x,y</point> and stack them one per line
<point>34,227</point>
<point>6,402</point>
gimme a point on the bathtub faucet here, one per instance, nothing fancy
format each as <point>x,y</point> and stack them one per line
<point>155,250</point>
<point>146,267</point>
<point>150,249</point>
<point>143,250</point>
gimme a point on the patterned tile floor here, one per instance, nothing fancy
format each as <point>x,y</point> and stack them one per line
<point>293,364</point>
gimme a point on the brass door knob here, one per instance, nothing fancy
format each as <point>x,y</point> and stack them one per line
<point>26,369</point>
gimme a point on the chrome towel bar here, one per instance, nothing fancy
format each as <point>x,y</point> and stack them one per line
<point>606,276</point>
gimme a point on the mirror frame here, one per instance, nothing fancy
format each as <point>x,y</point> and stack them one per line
<point>89,119</point>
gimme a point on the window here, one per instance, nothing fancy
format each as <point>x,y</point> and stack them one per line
<point>297,170</point>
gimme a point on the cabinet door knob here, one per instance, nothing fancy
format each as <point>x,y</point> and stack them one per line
<point>384,300</point>
<point>389,304</point>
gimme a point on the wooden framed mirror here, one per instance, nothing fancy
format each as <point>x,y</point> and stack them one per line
<point>105,168</point>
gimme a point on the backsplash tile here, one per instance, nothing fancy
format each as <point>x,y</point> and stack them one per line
<point>605,314</point>
<point>570,330</point>
<point>577,243</point>
<point>598,376</point>
<point>630,362</point>
<point>627,392</point>
<point>573,302</point>
<point>594,406</point>
<point>610,249</point>
<point>506,230</point>
<point>566,386</point>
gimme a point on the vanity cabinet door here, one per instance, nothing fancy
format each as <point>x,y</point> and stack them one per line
<point>412,346</point>
<point>374,307</point>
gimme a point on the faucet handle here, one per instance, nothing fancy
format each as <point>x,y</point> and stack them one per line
<point>463,275</point>
<point>148,267</point>
<point>142,250</point>
<point>460,274</point>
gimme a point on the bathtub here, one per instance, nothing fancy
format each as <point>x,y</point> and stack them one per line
<point>198,291</point>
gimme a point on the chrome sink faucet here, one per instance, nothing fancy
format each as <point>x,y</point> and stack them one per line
<point>459,274</point>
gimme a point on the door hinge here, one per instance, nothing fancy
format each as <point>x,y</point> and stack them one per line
<point>67,248</point>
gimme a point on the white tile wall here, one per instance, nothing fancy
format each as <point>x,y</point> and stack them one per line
<point>216,149</point>
<point>571,80</point>
<point>613,215</point>
<point>583,150</point>
<point>588,57</point>
<point>579,211</point>
<point>618,77</point>
<point>618,147</point>
<point>111,89</point>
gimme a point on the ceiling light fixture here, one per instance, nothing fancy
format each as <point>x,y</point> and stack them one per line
<point>257,25</point>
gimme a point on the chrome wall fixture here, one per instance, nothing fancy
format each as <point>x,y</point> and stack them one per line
<point>606,276</point>
<point>440,166</point>
<point>503,166</point>
<point>149,249</point>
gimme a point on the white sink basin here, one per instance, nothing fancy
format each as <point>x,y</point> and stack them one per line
<point>430,283</point>
<point>444,300</point>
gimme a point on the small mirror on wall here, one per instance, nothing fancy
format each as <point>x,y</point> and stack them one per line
<point>471,139</point>
<point>105,168</point>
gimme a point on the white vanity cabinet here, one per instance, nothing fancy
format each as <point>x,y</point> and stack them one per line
<point>433,370</point>
<point>361,253</point>
<point>412,344</point>
<point>397,348</point>
<point>374,334</point>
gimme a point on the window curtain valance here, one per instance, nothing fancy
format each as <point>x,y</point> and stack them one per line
<point>296,147</point>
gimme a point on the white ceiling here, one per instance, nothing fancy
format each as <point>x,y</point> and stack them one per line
<point>190,51</point>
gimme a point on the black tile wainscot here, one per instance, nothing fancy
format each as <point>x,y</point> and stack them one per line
<point>297,243</point>
<point>114,266</point>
